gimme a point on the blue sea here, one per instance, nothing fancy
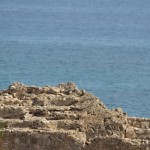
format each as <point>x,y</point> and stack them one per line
<point>101,45</point>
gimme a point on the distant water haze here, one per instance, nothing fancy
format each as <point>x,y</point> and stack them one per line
<point>101,45</point>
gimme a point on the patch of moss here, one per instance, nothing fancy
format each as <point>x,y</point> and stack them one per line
<point>1,135</point>
<point>3,125</point>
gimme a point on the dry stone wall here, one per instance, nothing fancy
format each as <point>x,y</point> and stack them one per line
<point>66,118</point>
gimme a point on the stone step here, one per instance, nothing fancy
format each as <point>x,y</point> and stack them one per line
<point>12,112</point>
<point>21,139</point>
<point>70,125</point>
<point>40,123</point>
<point>143,123</point>
<point>142,133</point>
<point>137,133</point>
<point>62,115</point>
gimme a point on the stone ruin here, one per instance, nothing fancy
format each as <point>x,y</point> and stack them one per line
<point>66,118</point>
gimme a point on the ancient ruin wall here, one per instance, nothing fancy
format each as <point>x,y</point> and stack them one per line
<point>66,118</point>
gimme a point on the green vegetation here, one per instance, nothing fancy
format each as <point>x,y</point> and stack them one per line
<point>2,126</point>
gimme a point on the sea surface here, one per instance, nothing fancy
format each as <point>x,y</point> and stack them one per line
<point>101,45</point>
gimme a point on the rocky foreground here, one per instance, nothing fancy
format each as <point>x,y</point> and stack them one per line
<point>66,118</point>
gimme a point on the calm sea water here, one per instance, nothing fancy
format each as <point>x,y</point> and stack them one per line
<point>101,45</point>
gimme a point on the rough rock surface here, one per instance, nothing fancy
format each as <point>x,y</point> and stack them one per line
<point>66,118</point>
